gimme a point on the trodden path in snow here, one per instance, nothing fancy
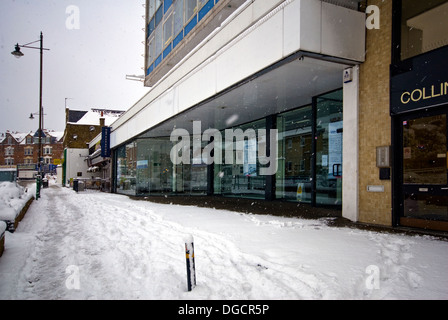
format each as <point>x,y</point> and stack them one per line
<point>92,245</point>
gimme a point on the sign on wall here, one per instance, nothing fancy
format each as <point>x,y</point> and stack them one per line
<point>424,85</point>
<point>105,142</point>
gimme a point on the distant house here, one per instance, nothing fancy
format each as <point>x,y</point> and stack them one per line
<point>20,150</point>
<point>81,127</point>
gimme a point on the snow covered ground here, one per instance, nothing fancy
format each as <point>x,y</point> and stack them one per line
<point>92,245</point>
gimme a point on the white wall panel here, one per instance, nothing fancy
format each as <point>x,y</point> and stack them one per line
<point>75,162</point>
<point>260,7</point>
<point>166,105</point>
<point>198,86</point>
<point>310,25</point>
<point>302,26</point>
<point>343,32</point>
<point>259,48</point>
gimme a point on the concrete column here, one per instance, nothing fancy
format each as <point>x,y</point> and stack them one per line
<point>350,179</point>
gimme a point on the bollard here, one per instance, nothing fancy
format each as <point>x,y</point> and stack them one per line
<point>191,269</point>
<point>38,187</point>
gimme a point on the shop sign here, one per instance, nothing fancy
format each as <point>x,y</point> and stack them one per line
<point>105,142</point>
<point>424,93</point>
<point>423,86</point>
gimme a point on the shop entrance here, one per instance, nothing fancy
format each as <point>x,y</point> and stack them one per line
<point>423,176</point>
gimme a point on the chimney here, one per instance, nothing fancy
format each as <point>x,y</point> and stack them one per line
<point>102,122</point>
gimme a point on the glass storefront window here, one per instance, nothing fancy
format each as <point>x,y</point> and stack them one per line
<point>309,159</point>
<point>156,174</point>
<point>126,165</point>
<point>329,126</point>
<point>424,150</point>
<point>425,177</point>
<point>423,26</point>
<point>154,166</point>
<point>238,179</point>
<point>293,179</point>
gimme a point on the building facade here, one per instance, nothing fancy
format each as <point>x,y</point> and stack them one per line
<point>81,127</point>
<point>270,65</point>
<point>402,118</point>
<point>22,149</point>
<point>354,118</point>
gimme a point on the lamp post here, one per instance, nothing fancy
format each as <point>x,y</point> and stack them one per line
<point>17,53</point>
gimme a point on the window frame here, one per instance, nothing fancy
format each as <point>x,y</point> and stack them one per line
<point>169,15</point>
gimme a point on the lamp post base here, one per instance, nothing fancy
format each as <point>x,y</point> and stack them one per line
<point>38,183</point>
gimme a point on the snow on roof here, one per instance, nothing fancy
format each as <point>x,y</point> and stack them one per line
<point>93,116</point>
<point>56,134</point>
<point>18,136</point>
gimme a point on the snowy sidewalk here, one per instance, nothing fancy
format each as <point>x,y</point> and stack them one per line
<point>92,245</point>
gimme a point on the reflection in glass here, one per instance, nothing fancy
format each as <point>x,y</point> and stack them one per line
<point>156,173</point>
<point>424,150</point>
<point>329,124</point>
<point>126,169</point>
<point>241,178</point>
<point>155,169</point>
<point>293,179</point>
<point>423,26</point>
<point>426,206</point>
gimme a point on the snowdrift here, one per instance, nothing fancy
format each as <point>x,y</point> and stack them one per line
<point>14,201</point>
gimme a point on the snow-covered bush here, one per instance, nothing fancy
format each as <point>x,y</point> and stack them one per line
<point>13,198</point>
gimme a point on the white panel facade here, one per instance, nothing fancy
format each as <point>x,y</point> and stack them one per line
<point>76,162</point>
<point>248,42</point>
<point>255,51</point>
<point>343,32</point>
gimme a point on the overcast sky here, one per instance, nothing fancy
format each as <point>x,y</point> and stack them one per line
<point>87,62</point>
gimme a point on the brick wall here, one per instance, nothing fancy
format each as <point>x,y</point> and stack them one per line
<point>78,136</point>
<point>374,120</point>
<point>19,155</point>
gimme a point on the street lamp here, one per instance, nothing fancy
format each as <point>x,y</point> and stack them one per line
<point>31,117</point>
<point>17,53</point>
